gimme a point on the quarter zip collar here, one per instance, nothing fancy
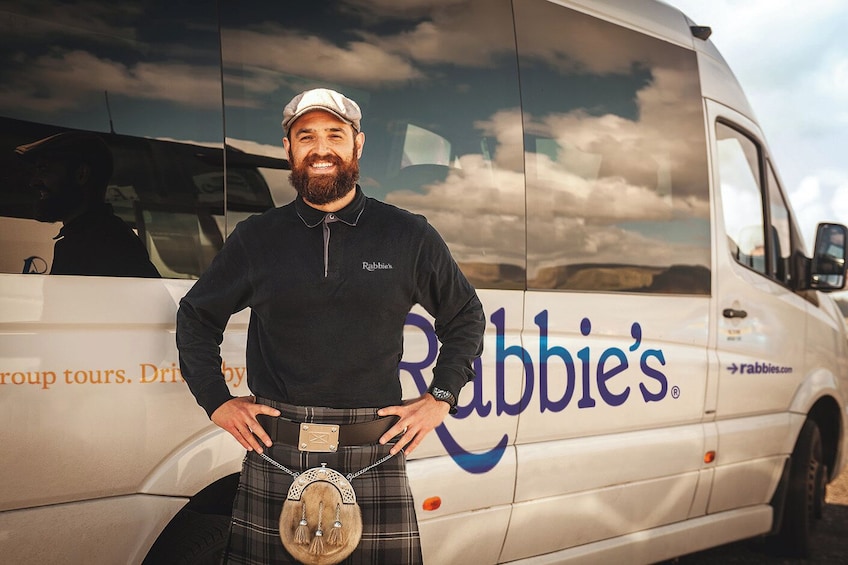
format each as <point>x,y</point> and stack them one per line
<point>349,215</point>
<point>312,217</point>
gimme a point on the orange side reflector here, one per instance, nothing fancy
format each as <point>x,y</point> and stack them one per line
<point>432,503</point>
<point>709,456</point>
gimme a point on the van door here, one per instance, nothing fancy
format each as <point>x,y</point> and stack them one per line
<point>611,435</point>
<point>760,321</point>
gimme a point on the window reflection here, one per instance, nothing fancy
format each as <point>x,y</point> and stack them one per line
<point>438,87</point>
<point>608,157</point>
<point>150,88</point>
<point>617,186</point>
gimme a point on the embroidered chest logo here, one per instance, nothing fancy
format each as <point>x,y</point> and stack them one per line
<point>376,266</point>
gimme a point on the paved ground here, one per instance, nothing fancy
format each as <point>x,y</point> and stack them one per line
<point>831,538</point>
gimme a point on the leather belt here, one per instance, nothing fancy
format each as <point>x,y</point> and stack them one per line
<point>309,436</point>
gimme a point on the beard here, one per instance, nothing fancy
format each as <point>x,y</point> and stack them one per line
<point>56,205</point>
<point>323,189</point>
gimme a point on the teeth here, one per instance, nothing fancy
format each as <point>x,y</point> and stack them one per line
<point>322,165</point>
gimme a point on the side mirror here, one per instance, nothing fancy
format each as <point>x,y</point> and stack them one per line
<point>827,268</point>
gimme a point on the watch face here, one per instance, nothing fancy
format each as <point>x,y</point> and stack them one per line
<point>441,394</point>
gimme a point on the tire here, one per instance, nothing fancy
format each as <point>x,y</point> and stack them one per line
<point>805,494</point>
<point>191,539</point>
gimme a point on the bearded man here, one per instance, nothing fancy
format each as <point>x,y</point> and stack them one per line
<point>330,279</point>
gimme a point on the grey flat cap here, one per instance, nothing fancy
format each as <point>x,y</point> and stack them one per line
<point>322,99</point>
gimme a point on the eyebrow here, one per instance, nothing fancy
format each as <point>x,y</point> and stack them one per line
<point>314,130</point>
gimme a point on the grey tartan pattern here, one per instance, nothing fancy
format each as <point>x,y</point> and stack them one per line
<point>390,528</point>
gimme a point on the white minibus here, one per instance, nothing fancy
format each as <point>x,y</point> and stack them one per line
<point>664,369</point>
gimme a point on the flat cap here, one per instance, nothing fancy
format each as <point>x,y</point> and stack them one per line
<point>322,99</point>
<point>73,144</point>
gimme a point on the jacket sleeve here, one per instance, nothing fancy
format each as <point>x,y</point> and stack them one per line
<point>448,296</point>
<point>222,290</point>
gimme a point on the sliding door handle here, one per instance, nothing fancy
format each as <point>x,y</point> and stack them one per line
<point>734,313</point>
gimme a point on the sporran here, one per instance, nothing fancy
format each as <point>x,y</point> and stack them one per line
<point>321,523</point>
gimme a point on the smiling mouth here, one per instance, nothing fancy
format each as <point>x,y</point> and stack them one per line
<point>322,166</point>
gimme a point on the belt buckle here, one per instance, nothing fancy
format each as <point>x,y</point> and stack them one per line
<point>319,438</point>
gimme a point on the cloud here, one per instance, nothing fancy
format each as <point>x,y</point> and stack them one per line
<point>577,209</point>
<point>444,37</point>
<point>93,20</point>
<point>63,80</point>
<point>275,48</point>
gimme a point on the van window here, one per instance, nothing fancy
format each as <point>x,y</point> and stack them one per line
<point>781,223</point>
<point>151,89</point>
<point>617,187</point>
<point>742,197</point>
<point>438,87</point>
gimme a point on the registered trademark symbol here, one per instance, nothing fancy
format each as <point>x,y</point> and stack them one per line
<point>675,392</point>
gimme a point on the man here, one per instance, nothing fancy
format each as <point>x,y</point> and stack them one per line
<point>329,279</point>
<point>71,171</point>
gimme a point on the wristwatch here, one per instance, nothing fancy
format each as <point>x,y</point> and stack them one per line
<point>444,396</point>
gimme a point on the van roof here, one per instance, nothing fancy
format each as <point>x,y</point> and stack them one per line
<point>648,16</point>
<point>658,19</point>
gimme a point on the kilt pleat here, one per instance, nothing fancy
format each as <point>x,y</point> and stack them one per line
<point>389,524</point>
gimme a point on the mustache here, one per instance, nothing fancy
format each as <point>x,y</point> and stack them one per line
<point>334,159</point>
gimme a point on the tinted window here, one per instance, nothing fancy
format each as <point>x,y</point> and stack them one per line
<point>145,76</point>
<point>617,186</point>
<point>438,87</point>
<point>781,229</point>
<point>742,197</point>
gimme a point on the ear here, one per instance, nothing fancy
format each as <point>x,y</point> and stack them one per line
<point>359,143</point>
<point>82,174</point>
<point>287,147</point>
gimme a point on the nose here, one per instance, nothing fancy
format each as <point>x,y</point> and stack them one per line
<point>322,147</point>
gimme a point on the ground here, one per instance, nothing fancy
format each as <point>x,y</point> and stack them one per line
<point>831,538</point>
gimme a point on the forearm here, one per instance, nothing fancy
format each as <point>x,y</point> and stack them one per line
<point>462,342</point>
<point>198,342</point>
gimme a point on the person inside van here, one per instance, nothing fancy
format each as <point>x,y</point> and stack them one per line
<point>330,279</point>
<point>71,171</point>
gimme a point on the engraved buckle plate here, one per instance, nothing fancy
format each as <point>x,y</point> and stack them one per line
<point>322,438</point>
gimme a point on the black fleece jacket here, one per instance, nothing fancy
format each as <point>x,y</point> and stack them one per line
<point>328,293</point>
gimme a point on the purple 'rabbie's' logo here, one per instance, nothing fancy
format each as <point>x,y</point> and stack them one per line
<point>653,388</point>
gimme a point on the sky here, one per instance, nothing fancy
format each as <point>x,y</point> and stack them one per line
<point>792,61</point>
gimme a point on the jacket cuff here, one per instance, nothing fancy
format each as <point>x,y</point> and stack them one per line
<point>211,400</point>
<point>449,380</point>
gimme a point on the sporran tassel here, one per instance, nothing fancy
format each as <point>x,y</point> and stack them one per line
<point>301,534</point>
<point>317,547</point>
<point>336,538</point>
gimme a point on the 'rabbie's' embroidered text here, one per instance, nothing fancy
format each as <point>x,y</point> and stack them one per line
<point>376,266</point>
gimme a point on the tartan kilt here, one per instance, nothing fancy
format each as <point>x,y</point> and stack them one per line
<point>389,524</point>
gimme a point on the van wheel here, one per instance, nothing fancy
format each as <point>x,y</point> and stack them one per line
<point>805,494</point>
<point>191,539</point>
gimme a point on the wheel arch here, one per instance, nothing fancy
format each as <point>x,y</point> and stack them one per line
<point>197,463</point>
<point>204,472</point>
<point>827,415</point>
<point>817,399</point>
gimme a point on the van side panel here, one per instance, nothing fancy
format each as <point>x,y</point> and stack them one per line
<point>90,369</point>
<point>118,529</point>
